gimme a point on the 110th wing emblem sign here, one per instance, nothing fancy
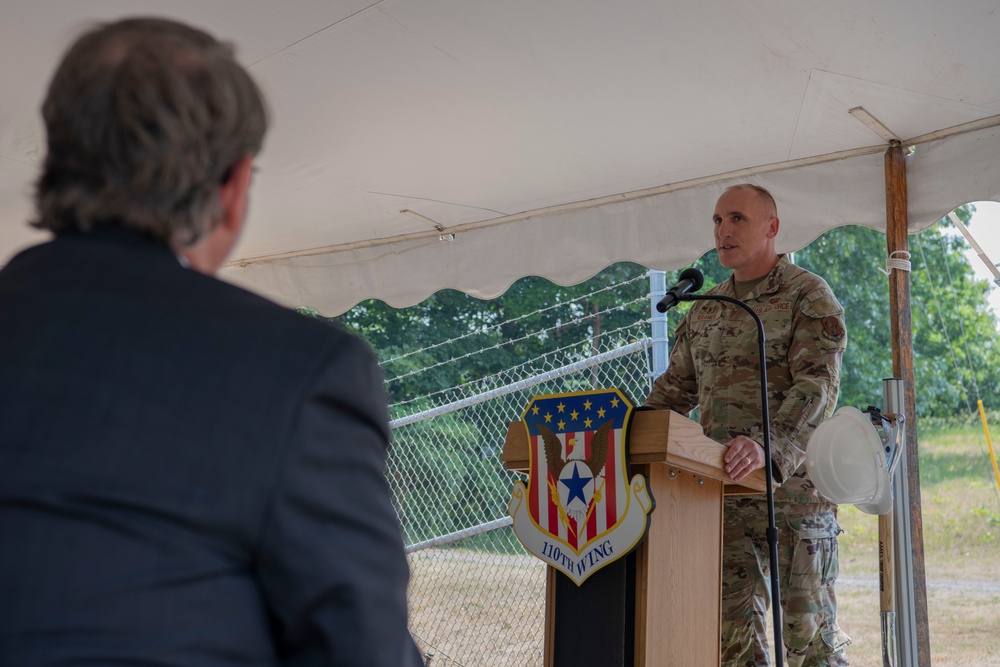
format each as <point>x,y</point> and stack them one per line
<point>579,511</point>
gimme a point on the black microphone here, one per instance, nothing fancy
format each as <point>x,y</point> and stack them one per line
<point>691,280</point>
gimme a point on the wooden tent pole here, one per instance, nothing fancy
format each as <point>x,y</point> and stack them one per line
<point>911,588</point>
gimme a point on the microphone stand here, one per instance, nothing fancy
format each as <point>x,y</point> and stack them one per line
<point>772,528</point>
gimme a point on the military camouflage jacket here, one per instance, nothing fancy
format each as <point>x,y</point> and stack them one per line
<point>714,366</point>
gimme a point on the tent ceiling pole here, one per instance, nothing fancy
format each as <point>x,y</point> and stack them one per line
<point>913,639</point>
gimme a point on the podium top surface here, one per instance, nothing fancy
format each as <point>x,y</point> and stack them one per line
<point>657,436</point>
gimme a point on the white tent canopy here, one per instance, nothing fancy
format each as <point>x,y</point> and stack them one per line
<point>552,137</point>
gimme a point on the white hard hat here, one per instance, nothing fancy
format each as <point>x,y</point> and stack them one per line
<point>846,461</point>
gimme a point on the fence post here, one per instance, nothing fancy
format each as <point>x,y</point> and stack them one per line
<point>658,320</point>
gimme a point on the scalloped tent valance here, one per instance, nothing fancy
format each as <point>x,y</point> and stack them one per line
<point>553,138</point>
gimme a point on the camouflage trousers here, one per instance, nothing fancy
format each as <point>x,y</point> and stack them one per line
<point>808,567</point>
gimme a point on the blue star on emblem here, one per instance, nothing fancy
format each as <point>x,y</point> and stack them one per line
<point>575,484</point>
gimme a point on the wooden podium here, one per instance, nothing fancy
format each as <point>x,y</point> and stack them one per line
<point>676,572</point>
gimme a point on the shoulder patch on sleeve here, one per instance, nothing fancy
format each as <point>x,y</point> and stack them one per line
<point>833,329</point>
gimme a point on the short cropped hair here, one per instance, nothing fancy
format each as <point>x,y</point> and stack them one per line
<point>144,119</point>
<point>762,193</point>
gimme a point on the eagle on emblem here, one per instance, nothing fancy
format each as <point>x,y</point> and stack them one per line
<point>567,471</point>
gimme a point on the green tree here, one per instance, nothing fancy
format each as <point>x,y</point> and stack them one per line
<point>954,334</point>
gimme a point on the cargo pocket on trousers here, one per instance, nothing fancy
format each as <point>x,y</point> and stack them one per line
<point>835,640</point>
<point>814,550</point>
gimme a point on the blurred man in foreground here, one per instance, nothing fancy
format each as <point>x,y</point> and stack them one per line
<point>191,474</point>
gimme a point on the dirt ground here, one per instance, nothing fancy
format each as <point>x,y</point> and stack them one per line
<point>964,621</point>
<point>475,610</point>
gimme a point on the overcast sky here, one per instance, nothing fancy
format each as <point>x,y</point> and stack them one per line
<point>985,228</point>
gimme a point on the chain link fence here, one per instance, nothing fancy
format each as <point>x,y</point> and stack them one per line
<point>476,596</point>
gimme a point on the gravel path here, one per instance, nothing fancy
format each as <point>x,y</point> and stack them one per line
<point>951,585</point>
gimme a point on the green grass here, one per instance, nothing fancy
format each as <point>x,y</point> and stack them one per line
<point>960,504</point>
<point>960,508</point>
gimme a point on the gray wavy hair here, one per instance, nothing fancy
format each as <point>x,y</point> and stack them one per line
<point>144,119</point>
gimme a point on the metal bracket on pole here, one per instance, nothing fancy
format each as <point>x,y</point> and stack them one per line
<point>906,632</point>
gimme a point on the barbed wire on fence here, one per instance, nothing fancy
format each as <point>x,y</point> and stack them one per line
<point>511,341</point>
<point>532,365</point>
<point>498,325</point>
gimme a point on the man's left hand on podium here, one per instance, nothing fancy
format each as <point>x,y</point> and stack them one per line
<point>742,457</point>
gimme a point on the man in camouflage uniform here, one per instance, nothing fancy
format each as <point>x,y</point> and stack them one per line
<point>714,366</point>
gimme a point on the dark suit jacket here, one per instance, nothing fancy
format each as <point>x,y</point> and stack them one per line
<point>189,474</point>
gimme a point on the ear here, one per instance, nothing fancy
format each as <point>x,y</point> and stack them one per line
<point>211,250</point>
<point>233,194</point>
<point>773,225</point>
